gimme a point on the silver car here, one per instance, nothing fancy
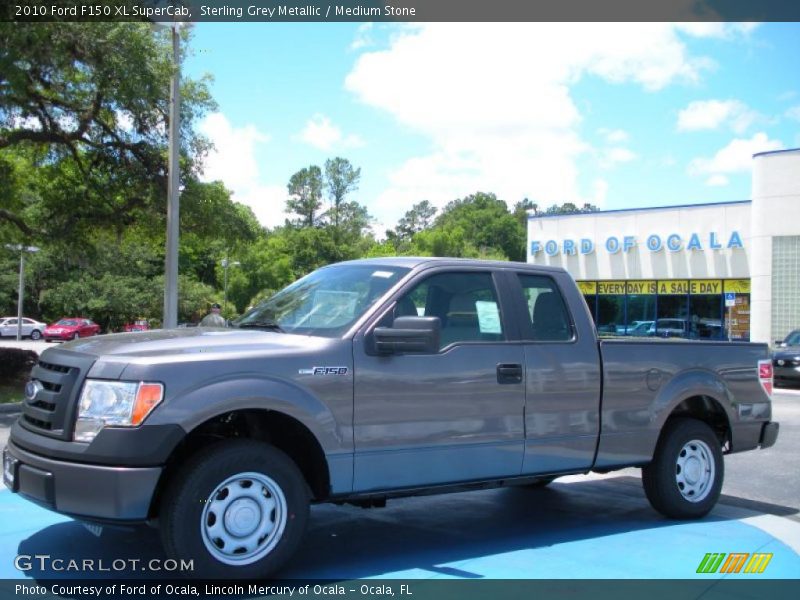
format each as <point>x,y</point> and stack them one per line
<point>30,328</point>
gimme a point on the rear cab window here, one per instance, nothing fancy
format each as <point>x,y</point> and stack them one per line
<point>548,319</point>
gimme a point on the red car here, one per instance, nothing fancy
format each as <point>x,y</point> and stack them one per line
<point>71,329</point>
<point>140,325</point>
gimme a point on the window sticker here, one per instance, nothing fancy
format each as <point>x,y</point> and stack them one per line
<point>488,316</point>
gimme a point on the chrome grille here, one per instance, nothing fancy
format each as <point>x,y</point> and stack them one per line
<point>52,411</point>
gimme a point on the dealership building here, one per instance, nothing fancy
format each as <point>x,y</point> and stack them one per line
<point>713,271</point>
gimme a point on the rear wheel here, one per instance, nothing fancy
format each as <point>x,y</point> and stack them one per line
<point>238,509</point>
<point>36,334</point>
<point>684,480</point>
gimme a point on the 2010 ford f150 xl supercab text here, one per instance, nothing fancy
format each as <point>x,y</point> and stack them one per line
<point>374,379</point>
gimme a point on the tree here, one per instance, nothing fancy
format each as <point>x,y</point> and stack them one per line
<point>419,218</point>
<point>487,225</point>
<point>569,208</point>
<point>523,209</point>
<point>305,195</point>
<point>340,179</point>
<point>88,103</point>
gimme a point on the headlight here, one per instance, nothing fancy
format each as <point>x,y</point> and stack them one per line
<point>114,403</point>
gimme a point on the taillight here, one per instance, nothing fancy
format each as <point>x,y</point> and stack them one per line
<point>765,375</point>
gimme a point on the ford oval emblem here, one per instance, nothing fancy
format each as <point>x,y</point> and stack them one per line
<point>32,388</point>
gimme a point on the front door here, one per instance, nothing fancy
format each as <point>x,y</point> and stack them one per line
<point>451,416</point>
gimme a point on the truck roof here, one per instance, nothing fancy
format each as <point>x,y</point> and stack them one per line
<point>416,261</point>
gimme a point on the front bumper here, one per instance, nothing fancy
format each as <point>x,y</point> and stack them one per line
<point>85,491</point>
<point>786,374</point>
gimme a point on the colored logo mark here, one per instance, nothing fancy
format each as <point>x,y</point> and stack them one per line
<point>735,562</point>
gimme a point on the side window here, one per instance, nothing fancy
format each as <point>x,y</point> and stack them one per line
<point>466,304</point>
<point>546,309</point>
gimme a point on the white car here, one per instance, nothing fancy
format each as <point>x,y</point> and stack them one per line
<point>30,328</point>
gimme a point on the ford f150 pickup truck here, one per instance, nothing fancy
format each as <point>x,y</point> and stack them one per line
<point>368,380</point>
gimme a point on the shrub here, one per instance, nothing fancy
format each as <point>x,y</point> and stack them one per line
<point>16,363</point>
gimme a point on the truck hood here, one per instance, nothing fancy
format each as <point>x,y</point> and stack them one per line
<point>159,343</point>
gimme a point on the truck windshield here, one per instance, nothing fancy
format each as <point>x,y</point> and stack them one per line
<point>325,302</point>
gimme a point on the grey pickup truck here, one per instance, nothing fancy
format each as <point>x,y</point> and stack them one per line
<point>368,380</point>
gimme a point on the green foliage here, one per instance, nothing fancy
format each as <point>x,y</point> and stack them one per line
<point>341,178</point>
<point>86,105</point>
<point>305,195</point>
<point>486,224</point>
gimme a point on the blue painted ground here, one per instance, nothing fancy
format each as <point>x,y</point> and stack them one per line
<point>591,529</point>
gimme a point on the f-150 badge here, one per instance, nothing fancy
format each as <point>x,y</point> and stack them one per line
<point>324,371</point>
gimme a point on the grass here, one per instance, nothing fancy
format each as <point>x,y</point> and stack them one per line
<point>11,392</point>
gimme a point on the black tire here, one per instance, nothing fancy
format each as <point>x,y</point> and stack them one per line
<point>36,334</point>
<point>671,491</point>
<point>75,336</point>
<point>184,503</point>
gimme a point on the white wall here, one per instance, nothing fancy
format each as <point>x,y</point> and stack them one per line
<point>640,262</point>
<point>775,212</point>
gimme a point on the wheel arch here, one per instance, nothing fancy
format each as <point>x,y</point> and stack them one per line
<point>276,428</point>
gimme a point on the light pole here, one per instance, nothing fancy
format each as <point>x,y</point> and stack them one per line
<point>225,264</point>
<point>21,291</point>
<point>173,191</point>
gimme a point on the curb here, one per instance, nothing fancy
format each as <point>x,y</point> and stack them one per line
<point>10,408</point>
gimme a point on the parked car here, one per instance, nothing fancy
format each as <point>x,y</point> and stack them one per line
<point>71,328</point>
<point>138,325</point>
<point>30,328</point>
<point>641,329</point>
<point>337,389</point>
<point>669,328</point>
<point>786,360</point>
<point>630,327</point>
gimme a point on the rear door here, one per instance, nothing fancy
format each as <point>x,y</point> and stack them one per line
<point>562,375</point>
<point>450,416</point>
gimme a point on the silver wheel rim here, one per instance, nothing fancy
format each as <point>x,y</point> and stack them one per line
<point>243,518</point>
<point>695,471</point>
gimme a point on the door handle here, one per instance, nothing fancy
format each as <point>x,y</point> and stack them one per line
<point>509,373</point>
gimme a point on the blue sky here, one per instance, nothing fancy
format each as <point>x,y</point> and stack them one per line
<point>620,115</point>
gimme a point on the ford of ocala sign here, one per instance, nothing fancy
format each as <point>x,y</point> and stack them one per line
<point>654,243</point>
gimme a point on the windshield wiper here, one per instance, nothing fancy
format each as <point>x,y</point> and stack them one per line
<point>270,325</point>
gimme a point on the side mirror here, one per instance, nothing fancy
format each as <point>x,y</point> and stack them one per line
<point>409,334</point>
<point>780,344</point>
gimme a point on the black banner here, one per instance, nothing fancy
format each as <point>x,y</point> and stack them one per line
<point>413,589</point>
<point>401,10</point>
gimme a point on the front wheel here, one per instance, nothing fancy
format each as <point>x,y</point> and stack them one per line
<point>36,334</point>
<point>684,480</point>
<point>237,508</point>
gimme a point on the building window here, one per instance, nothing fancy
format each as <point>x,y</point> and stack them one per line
<point>693,309</point>
<point>785,285</point>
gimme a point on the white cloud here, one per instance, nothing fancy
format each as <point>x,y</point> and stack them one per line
<point>614,136</point>
<point>794,113</point>
<point>321,133</point>
<point>717,180</point>
<point>233,161</point>
<point>735,157</point>
<point>614,156</point>
<point>495,102</point>
<point>363,38</point>
<point>714,114</point>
